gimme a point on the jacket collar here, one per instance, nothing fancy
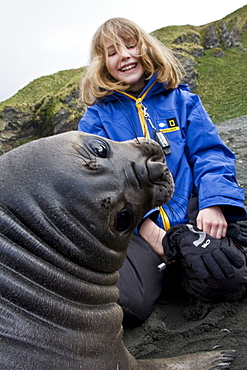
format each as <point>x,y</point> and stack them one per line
<point>156,88</point>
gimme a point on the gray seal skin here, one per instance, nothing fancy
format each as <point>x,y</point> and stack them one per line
<point>69,206</point>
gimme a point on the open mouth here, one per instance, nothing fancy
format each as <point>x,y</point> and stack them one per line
<point>128,67</point>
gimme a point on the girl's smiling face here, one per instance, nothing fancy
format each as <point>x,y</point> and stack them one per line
<point>124,65</point>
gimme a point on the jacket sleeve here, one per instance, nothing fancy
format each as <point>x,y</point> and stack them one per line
<point>213,164</point>
<point>91,123</point>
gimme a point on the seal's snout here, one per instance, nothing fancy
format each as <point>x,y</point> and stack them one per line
<point>151,170</point>
<point>160,176</point>
<point>158,172</point>
<point>157,169</point>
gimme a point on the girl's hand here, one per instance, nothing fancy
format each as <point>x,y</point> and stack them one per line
<point>212,221</point>
<point>154,235</point>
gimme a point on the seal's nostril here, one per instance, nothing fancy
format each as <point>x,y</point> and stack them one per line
<point>157,169</point>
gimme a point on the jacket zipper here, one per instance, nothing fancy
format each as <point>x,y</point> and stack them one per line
<point>144,118</point>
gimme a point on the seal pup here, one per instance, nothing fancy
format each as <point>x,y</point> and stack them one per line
<point>69,206</point>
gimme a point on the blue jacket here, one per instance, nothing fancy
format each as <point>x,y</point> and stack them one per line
<point>199,161</point>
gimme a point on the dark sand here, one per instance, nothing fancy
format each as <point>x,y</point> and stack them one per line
<point>180,326</point>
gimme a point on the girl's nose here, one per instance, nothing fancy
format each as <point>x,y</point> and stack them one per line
<point>124,52</point>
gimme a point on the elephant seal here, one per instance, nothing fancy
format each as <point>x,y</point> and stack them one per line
<point>69,206</point>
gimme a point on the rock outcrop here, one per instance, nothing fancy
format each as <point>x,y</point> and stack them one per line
<point>18,127</point>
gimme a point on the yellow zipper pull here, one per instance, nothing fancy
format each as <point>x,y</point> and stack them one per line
<point>141,112</point>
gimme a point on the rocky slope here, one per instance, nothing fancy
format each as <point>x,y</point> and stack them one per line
<point>234,134</point>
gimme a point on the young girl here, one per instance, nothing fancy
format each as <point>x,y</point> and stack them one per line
<point>131,87</point>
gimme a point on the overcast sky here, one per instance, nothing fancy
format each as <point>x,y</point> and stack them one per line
<point>41,37</point>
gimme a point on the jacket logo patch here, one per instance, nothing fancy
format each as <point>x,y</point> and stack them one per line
<point>169,125</point>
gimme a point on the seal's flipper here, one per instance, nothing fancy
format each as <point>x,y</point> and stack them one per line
<point>195,361</point>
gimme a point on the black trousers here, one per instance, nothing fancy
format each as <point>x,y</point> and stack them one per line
<point>140,282</point>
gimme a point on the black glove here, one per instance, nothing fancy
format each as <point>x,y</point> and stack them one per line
<point>203,253</point>
<point>238,232</point>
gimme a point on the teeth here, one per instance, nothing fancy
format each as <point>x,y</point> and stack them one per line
<point>128,67</point>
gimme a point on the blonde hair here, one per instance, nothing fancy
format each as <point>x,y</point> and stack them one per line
<point>154,57</point>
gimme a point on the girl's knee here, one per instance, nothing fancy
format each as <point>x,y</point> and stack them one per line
<point>136,310</point>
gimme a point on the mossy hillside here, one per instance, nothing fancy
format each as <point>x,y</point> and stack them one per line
<point>50,104</point>
<point>55,84</point>
<point>237,18</point>
<point>167,35</point>
<point>46,96</point>
<point>221,81</point>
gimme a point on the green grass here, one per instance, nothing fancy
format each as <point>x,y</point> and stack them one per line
<point>222,84</point>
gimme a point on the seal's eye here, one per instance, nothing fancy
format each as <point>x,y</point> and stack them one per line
<point>124,220</point>
<point>99,147</point>
<point>101,151</point>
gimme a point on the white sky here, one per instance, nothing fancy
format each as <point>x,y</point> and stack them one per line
<point>41,37</point>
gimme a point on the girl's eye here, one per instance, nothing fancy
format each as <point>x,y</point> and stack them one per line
<point>131,46</point>
<point>111,53</point>
<point>124,220</point>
